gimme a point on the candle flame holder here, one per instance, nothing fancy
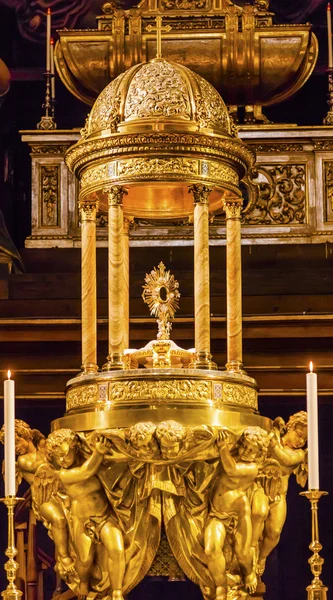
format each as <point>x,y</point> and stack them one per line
<point>316,590</point>
<point>328,120</point>
<point>11,566</point>
<point>47,121</point>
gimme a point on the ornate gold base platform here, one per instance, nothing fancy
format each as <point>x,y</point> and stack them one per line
<point>188,396</point>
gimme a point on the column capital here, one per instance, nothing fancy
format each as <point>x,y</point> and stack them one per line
<point>233,207</point>
<point>88,210</point>
<point>116,194</point>
<point>200,193</point>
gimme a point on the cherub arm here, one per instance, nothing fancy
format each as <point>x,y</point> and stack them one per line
<point>88,469</point>
<point>230,465</point>
<point>287,457</point>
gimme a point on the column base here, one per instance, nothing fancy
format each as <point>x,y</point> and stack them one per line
<point>114,361</point>
<point>89,368</point>
<point>235,366</point>
<point>202,360</point>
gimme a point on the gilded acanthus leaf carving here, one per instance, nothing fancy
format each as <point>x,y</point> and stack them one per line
<point>279,195</point>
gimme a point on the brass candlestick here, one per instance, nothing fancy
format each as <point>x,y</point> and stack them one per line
<point>316,590</point>
<point>328,120</point>
<point>11,566</point>
<point>47,120</point>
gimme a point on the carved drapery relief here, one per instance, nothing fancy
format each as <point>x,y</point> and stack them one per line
<point>328,188</point>
<point>280,195</point>
<point>50,176</point>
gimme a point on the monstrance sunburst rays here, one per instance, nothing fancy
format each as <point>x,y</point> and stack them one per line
<point>161,294</point>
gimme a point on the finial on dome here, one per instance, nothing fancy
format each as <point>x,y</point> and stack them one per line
<point>159,29</point>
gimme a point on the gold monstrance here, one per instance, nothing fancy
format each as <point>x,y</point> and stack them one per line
<point>160,438</point>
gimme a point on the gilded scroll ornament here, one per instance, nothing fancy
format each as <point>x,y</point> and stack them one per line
<point>184,4</point>
<point>155,166</point>
<point>106,109</point>
<point>49,149</point>
<point>280,195</point>
<point>241,395</point>
<point>222,173</point>
<point>183,389</point>
<point>50,176</point>
<point>211,110</point>
<point>81,396</point>
<point>157,90</point>
<point>328,171</point>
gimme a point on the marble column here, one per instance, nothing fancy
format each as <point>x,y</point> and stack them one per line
<point>88,210</point>
<point>128,221</point>
<point>233,209</point>
<point>201,277</point>
<point>117,285</point>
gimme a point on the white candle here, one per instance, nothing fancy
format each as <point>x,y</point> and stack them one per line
<point>312,409</point>
<point>52,70</point>
<point>9,410</point>
<point>329,36</point>
<point>48,40</point>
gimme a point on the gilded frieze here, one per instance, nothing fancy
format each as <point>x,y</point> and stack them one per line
<point>240,395</point>
<point>191,390</point>
<point>81,396</point>
<point>277,195</point>
<point>137,167</point>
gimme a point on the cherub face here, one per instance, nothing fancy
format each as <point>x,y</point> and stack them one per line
<point>296,437</point>
<point>169,449</point>
<point>65,456</point>
<point>142,441</point>
<point>248,450</point>
<point>21,445</point>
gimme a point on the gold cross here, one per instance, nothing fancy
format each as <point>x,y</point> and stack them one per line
<point>159,29</point>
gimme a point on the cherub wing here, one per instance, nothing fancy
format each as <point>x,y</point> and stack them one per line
<point>45,484</point>
<point>270,478</point>
<point>301,472</point>
<point>198,435</point>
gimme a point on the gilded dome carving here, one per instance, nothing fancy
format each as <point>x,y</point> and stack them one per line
<point>160,90</point>
<point>157,89</point>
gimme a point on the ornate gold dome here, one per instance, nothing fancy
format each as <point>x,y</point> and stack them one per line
<point>157,95</point>
<point>158,129</point>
